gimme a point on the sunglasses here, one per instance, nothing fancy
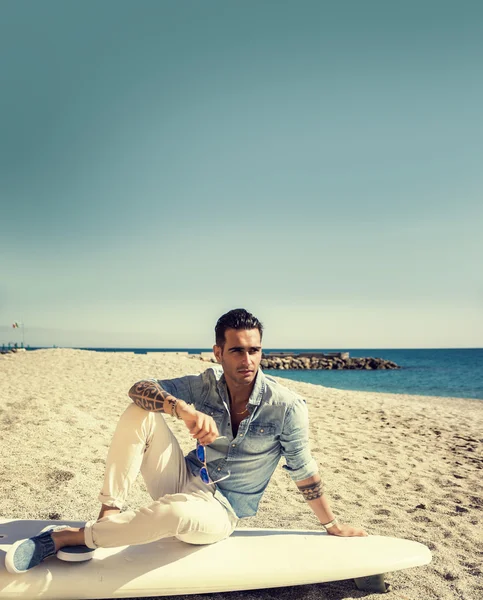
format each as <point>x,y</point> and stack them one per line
<point>205,476</point>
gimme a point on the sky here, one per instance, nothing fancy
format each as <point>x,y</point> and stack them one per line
<point>317,163</point>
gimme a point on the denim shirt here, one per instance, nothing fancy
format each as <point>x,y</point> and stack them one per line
<point>276,426</point>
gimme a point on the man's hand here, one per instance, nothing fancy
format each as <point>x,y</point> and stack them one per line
<point>201,426</point>
<point>345,530</point>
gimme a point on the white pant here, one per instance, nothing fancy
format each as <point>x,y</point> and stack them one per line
<point>184,506</point>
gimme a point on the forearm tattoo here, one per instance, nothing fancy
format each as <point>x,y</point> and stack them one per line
<point>150,396</point>
<point>312,491</point>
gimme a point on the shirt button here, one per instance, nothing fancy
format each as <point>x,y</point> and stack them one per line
<point>219,468</point>
<point>233,445</point>
<point>262,430</point>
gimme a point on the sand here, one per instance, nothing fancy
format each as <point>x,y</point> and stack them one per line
<point>397,465</point>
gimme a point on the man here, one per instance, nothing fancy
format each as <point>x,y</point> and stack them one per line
<point>243,422</point>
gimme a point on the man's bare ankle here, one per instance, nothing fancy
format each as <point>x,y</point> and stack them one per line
<point>74,536</point>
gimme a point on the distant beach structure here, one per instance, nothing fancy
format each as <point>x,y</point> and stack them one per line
<point>12,347</point>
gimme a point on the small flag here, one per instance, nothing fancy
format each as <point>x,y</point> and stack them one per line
<point>15,325</point>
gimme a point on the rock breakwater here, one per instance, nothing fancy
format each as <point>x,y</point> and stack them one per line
<point>334,361</point>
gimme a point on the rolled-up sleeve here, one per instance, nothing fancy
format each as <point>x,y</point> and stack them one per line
<point>295,442</point>
<point>185,388</point>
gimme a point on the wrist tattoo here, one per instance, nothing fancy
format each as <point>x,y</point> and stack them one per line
<point>312,491</point>
<point>150,396</point>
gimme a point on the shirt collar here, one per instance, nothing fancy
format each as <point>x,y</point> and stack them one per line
<point>258,389</point>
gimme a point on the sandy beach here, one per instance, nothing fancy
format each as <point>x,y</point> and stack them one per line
<point>398,465</point>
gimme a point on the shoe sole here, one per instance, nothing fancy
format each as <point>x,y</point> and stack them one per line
<point>76,553</point>
<point>9,564</point>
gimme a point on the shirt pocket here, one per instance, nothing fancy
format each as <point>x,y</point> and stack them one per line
<point>260,437</point>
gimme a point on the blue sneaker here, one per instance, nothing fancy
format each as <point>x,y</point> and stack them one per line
<point>25,554</point>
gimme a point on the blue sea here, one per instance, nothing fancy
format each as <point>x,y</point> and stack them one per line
<point>449,373</point>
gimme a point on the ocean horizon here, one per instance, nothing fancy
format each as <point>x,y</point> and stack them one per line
<point>446,372</point>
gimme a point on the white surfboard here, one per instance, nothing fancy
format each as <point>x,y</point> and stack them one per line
<point>248,559</point>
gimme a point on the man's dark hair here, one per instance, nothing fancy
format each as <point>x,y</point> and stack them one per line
<point>238,318</point>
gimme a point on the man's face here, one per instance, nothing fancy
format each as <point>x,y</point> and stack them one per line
<point>240,356</point>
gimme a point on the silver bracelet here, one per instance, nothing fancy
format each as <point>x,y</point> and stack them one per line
<point>330,523</point>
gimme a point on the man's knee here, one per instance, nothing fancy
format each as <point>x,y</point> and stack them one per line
<point>135,417</point>
<point>134,412</point>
